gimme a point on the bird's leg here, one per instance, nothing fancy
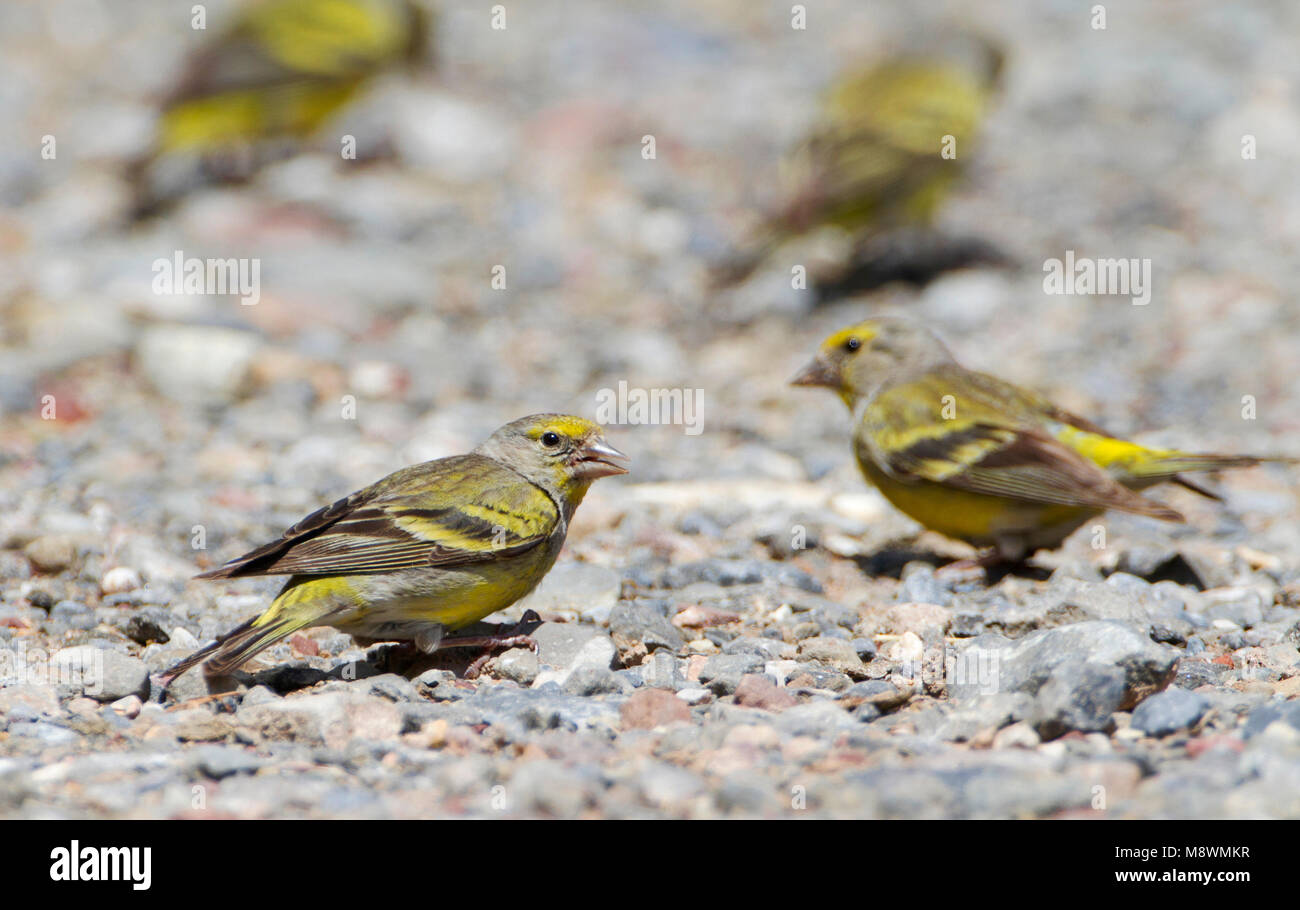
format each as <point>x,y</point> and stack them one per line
<point>972,568</point>
<point>410,642</point>
<point>516,636</point>
<point>1006,549</point>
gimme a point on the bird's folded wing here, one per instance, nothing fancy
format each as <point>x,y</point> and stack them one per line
<point>457,511</point>
<point>282,43</point>
<point>332,38</point>
<point>907,434</point>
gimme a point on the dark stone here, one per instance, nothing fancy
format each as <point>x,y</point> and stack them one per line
<point>865,648</point>
<point>144,630</point>
<point>1079,696</point>
<point>1169,711</point>
<point>41,599</point>
<point>639,622</point>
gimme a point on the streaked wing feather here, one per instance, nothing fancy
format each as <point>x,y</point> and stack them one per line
<point>409,520</point>
<point>984,450</point>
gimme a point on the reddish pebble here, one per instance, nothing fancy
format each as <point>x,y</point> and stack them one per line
<point>304,645</point>
<point>756,691</point>
<point>650,708</point>
<point>1205,743</point>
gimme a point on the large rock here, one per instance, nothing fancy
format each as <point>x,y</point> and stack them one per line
<point>518,664</point>
<point>559,644</point>
<point>991,663</point>
<point>1155,610</point>
<point>100,673</point>
<point>566,649</point>
<point>332,718</point>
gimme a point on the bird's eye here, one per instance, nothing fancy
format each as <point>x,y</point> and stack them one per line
<point>550,439</point>
<point>853,344</point>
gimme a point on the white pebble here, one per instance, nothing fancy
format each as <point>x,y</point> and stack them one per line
<point>128,707</point>
<point>1017,736</point>
<point>119,580</point>
<point>182,638</point>
<point>907,649</point>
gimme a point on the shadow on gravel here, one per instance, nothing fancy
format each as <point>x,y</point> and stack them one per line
<point>399,658</point>
<point>890,560</point>
<point>1176,569</point>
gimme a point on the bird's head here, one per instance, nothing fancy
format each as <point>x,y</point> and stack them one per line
<point>560,453</point>
<point>856,361</point>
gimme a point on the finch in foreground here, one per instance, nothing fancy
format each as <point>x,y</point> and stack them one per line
<point>889,143</point>
<point>979,459</point>
<point>277,74</point>
<point>427,550</point>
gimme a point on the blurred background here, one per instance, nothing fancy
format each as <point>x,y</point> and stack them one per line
<point>522,153</point>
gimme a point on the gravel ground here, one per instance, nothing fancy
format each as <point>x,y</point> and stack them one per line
<point>695,661</point>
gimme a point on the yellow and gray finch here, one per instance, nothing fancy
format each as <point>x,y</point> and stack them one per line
<point>278,73</point>
<point>979,459</point>
<point>874,161</point>
<point>429,549</point>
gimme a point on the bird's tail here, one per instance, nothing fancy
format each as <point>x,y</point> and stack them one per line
<point>1169,466</point>
<point>296,607</point>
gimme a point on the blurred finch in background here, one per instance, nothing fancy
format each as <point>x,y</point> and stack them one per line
<point>269,82</point>
<point>889,144</point>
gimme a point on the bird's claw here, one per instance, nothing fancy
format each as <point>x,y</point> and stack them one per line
<point>516,636</point>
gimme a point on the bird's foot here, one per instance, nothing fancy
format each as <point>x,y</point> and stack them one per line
<point>516,636</point>
<point>972,569</point>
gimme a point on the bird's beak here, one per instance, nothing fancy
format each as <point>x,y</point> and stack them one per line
<point>597,458</point>
<point>819,371</point>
